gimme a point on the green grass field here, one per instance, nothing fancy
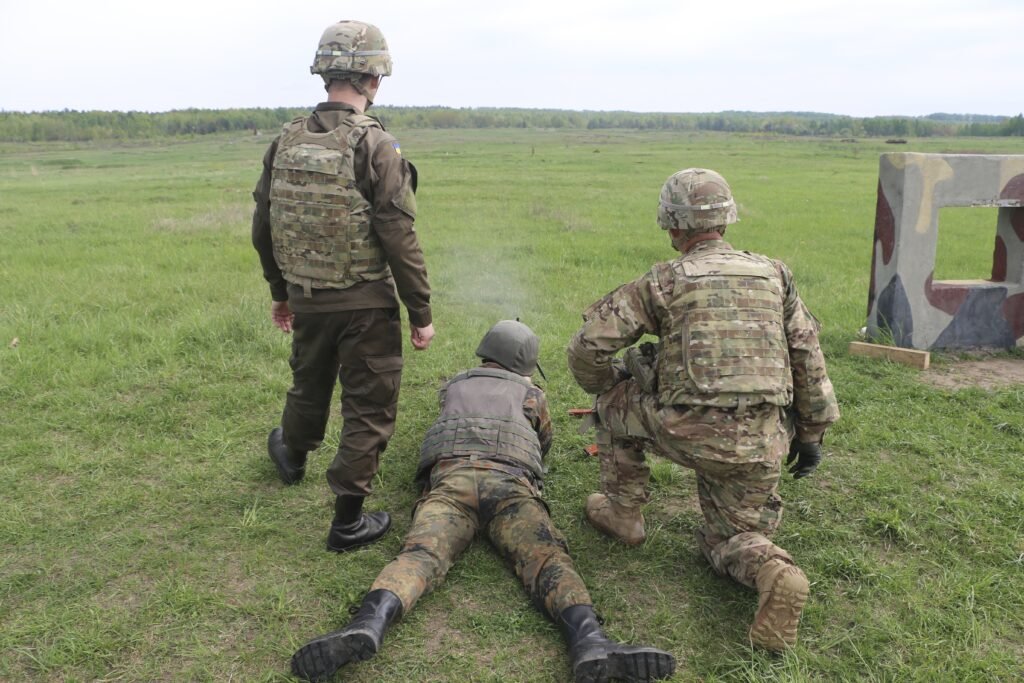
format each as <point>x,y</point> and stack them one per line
<point>144,535</point>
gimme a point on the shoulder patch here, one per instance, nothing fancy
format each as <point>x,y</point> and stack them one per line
<point>398,148</point>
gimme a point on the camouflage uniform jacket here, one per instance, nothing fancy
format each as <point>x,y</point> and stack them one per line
<point>535,410</point>
<point>642,307</point>
<point>387,181</point>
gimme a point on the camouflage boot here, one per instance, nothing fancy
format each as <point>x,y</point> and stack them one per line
<point>625,524</point>
<point>782,591</point>
<point>318,659</point>
<point>291,465</point>
<point>597,659</point>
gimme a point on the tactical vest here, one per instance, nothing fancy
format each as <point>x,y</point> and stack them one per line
<point>724,343</point>
<point>319,221</point>
<point>483,417</point>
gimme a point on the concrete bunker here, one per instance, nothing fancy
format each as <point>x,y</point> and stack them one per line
<point>904,300</point>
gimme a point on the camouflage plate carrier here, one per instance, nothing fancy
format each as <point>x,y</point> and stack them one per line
<point>483,418</point>
<point>727,345</point>
<point>319,221</point>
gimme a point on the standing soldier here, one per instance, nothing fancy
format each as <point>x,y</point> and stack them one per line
<point>482,465</point>
<point>737,355</point>
<point>334,230</point>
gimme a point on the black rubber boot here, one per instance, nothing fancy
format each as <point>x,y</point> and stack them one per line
<point>291,465</point>
<point>351,528</point>
<point>596,658</point>
<point>318,659</point>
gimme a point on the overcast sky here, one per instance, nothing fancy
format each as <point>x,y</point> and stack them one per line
<point>859,57</point>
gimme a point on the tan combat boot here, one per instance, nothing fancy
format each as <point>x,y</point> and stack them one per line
<point>622,523</point>
<point>782,591</point>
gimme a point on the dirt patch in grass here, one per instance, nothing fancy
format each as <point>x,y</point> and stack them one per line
<point>123,593</point>
<point>680,504</point>
<point>442,637</point>
<point>988,373</point>
<point>512,659</point>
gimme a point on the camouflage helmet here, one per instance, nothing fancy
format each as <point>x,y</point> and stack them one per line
<point>512,345</point>
<point>351,47</point>
<point>696,200</point>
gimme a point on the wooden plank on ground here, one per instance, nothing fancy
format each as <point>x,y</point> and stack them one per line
<point>912,357</point>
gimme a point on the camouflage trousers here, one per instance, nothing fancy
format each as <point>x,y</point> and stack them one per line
<point>736,455</point>
<point>464,498</point>
<point>363,350</point>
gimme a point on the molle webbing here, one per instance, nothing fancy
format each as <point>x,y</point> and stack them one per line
<point>728,346</point>
<point>320,222</point>
<point>483,418</point>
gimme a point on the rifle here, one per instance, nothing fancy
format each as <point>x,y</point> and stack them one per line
<point>641,363</point>
<point>638,362</point>
<point>591,414</point>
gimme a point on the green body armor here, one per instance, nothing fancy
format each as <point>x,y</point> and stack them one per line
<point>725,340</point>
<point>483,417</point>
<point>319,221</point>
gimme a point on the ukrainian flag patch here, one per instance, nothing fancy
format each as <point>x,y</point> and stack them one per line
<point>398,149</point>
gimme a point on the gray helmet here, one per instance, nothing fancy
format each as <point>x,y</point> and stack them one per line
<point>512,345</point>
<point>348,48</point>
<point>696,200</point>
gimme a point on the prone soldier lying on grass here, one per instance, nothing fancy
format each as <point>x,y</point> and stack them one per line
<point>481,464</point>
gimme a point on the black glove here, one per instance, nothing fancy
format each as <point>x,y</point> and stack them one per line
<point>809,457</point>
<point>641,362</point>
<point>620,371</point>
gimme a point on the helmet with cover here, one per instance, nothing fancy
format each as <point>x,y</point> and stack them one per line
<point>350,49</point>
<point>696,200</point>
<point>512,345</point>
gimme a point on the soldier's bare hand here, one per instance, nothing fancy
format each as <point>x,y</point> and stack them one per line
<point>807,456</point>
<point>421,337</point>
<point>282,316</point>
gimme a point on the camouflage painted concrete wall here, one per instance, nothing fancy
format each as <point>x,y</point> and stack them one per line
<point>904,299</point>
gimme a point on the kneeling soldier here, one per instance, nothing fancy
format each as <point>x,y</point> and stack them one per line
<point>482,466</point>
<point>736,380</point>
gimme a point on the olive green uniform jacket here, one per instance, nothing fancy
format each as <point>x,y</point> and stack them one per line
<point>385,178</point>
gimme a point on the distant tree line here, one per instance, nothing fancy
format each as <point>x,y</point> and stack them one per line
<point>70,125</point>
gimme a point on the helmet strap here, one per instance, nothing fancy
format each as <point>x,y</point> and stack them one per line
<point>357,83</point>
